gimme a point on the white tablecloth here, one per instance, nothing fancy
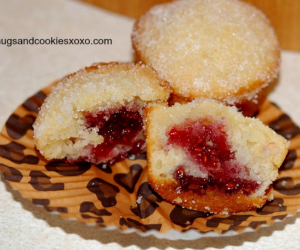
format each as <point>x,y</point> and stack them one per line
<point>24,69</point>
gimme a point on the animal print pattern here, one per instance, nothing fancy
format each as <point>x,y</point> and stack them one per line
<point>120,195</point>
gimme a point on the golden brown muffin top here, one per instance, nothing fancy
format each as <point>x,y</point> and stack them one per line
<point>211,48</point>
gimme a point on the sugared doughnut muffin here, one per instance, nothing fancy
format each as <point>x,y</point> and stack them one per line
<point>96,114</point>
<point>208,157</point>
<point>220,49</point>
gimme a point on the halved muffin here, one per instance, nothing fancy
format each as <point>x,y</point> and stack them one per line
<point>96,114</point>
<point>206,156</point>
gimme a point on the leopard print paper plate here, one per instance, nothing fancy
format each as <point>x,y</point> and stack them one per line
<point>119,196</point>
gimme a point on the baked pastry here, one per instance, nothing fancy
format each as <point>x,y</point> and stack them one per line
<point>220,49</point>
<point>96,114</point>
<point>208,157</point>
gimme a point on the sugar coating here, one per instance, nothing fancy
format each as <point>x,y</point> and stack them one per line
<point>60,128</point>
<point>219,49</point>
<point>257,147</point>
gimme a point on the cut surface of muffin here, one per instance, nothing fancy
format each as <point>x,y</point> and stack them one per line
<point>220,49</point>
<point>206,156</point>
<point>96,114</point>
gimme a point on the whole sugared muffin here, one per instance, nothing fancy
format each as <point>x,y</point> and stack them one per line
<point>220,49</point>
<point>96,114</point>
<point>207,156</point>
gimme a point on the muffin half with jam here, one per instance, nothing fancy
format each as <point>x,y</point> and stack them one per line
<point>96,114</point>
<point>208,157</point>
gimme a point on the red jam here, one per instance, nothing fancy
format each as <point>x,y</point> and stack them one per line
<point>122,131</point>
<point>205,143</point>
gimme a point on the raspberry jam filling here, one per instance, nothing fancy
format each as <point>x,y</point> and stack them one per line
<point>123,134</point>
<point>205,143</point>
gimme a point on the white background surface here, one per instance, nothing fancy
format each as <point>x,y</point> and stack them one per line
<point>25,69</point>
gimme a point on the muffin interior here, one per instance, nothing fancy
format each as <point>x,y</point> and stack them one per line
<point>206,145</point>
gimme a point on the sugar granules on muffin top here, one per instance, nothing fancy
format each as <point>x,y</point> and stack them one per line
<point>220,49</point>
<point>96,114</point>
<point>208,157</point>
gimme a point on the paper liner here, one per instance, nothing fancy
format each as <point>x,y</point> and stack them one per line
<point>119,197</point>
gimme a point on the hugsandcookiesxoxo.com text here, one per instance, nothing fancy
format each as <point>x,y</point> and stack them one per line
<point>54,41</point>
